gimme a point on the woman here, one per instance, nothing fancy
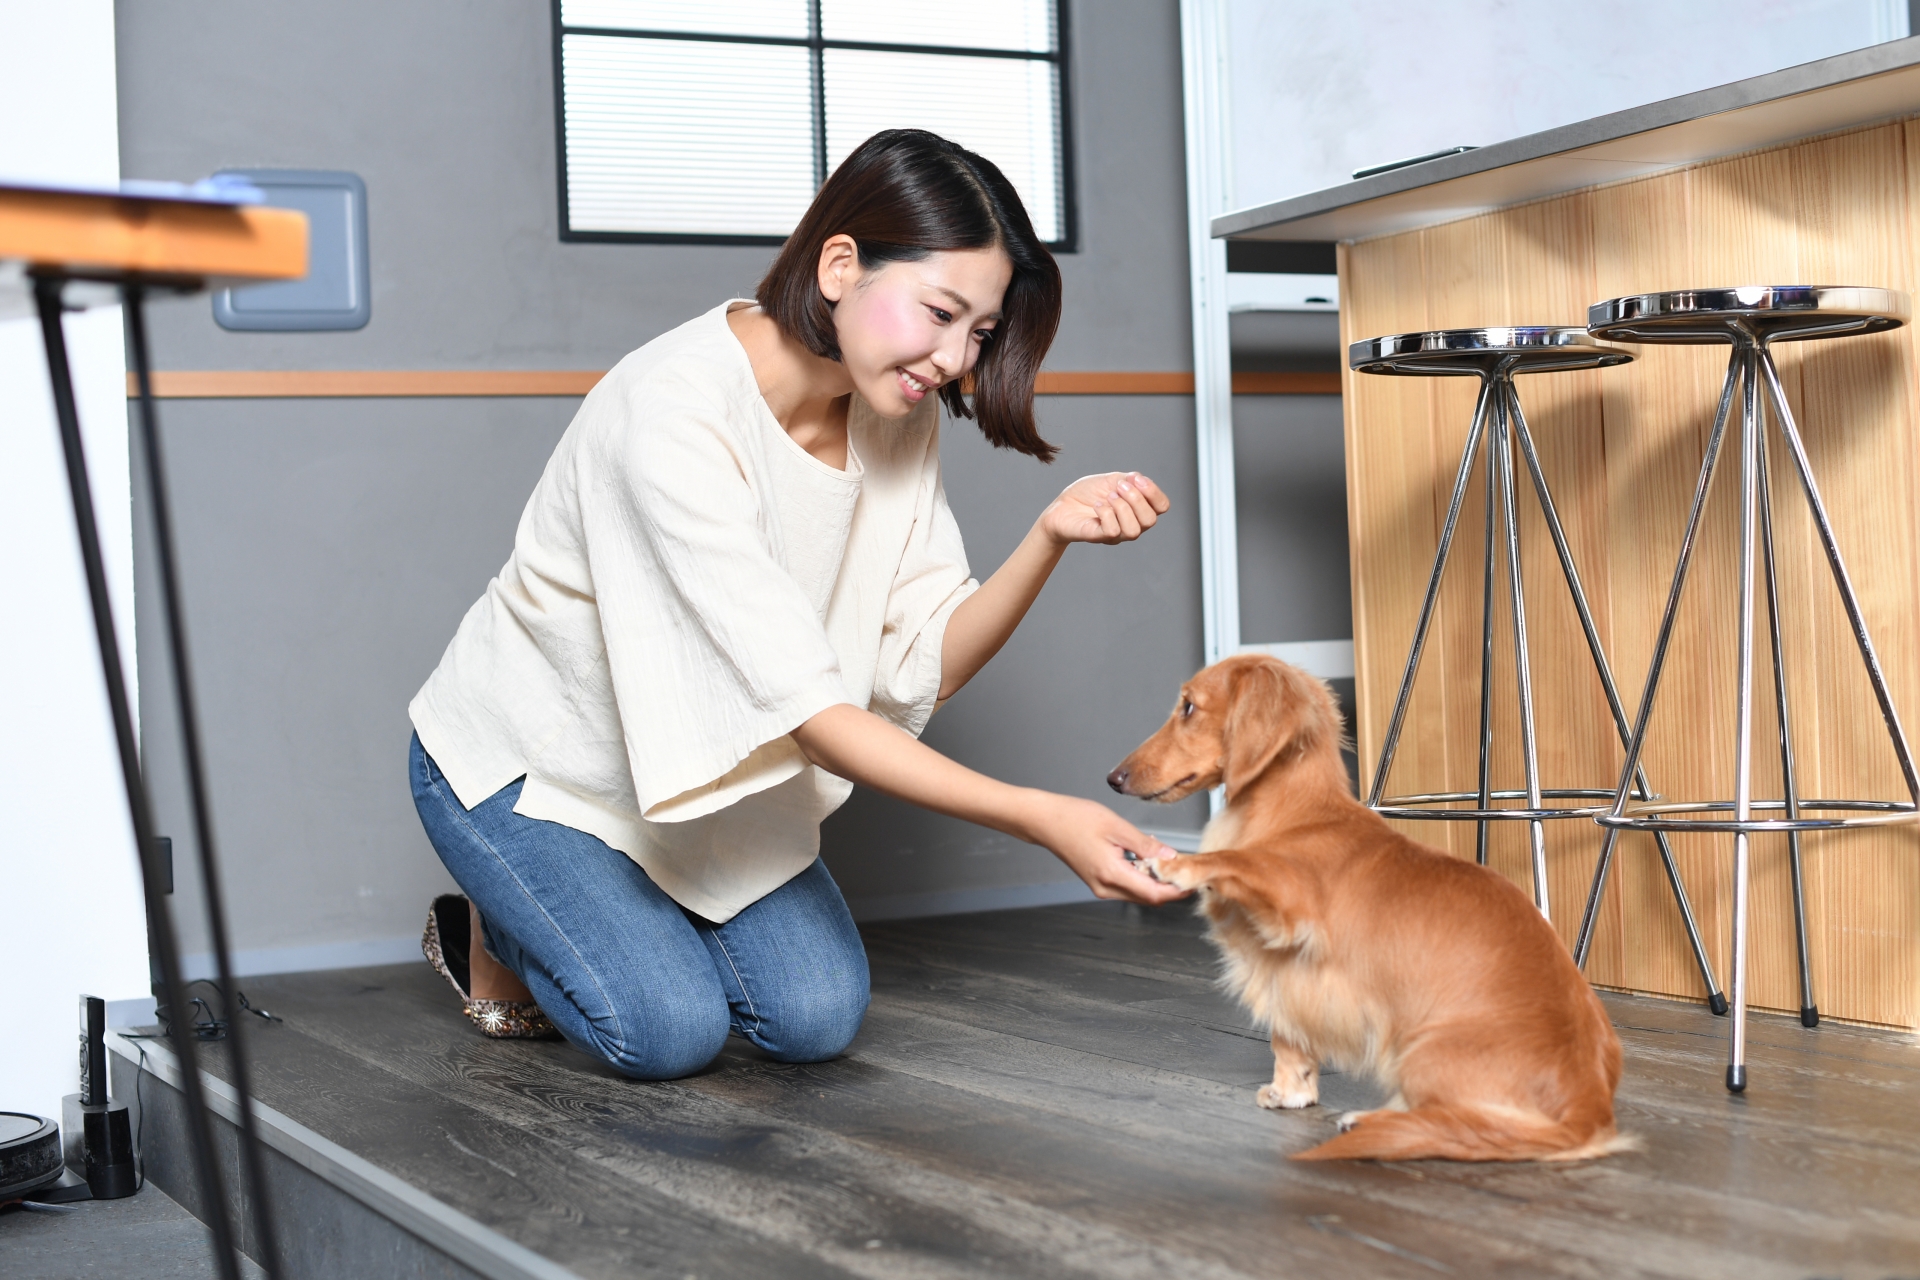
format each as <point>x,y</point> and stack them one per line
<point>736,591</point>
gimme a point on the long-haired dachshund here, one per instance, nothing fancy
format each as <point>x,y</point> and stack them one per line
<point>1361,948</point>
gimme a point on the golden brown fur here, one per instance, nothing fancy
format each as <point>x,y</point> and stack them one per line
<point>1362,948</point>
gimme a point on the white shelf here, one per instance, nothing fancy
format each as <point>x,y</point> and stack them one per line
<point>1282,292</point>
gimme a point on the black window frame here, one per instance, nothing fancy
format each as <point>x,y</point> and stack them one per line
<point>817,45</point>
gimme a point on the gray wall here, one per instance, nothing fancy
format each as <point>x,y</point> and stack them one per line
<point>1290,489</point>
<point>330,546</point>
<point>1289,479</point>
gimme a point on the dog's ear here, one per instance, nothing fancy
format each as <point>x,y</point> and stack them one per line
<point>1261,721</point>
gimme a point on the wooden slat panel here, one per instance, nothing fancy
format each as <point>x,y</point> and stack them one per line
<point>271,384</point>
<point>1622,448</point>
<point>156,236</point>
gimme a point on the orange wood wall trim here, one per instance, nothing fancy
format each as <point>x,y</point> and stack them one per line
<point>270,384</point>
<point>1286,384</point>
<point>274,384</point>
<point>1114,384</point>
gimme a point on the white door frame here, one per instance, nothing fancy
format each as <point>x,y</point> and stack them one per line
<point>1203,52</point>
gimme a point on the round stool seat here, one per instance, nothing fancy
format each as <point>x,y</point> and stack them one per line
<point>1519,349</point>
<point>1770,313</point>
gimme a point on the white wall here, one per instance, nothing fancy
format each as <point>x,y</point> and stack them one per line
<point>71,918</point>
<point>1319,90</point>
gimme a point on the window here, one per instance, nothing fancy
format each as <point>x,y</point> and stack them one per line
<point>717,120</point>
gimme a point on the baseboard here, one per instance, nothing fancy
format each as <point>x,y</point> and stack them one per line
<point>886,906</point>
<point>955,902</point>
<point>324,955</point>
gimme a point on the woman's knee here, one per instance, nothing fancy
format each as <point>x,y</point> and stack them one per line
<point>652,1044</point>
<point>817,1021</point>
<point>659,1025</point>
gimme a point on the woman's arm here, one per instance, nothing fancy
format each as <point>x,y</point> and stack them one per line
<point>1116,507</point>
<point>1090,838</point>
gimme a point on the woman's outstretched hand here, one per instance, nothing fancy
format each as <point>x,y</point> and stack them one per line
<point>853,743</point>
<point>1094,842</point>
<point>1115,507</point>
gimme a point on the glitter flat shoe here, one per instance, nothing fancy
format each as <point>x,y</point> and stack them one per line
<point>445,943</point>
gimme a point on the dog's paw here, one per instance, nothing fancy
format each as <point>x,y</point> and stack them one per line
<point>1348,1119</point>
<point>1168,870</point>
<point>1273,1098</point>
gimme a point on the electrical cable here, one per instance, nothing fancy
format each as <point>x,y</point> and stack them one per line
<point>140,1109</point>
<point>209,1028</point>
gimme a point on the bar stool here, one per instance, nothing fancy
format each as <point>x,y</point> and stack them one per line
<point>1496,356</point>
<point>1750,320</point>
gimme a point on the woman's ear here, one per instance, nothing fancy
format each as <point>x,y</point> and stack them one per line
<point>1260,722</point>
<point>839,267</point>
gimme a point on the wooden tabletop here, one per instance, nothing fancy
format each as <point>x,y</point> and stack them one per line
<point>111,235</point>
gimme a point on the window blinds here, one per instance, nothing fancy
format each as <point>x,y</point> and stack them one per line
<point>701,119</point>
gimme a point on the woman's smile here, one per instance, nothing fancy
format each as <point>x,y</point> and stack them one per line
<point>914,388</point>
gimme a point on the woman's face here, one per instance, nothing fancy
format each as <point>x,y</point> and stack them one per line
<point>908,328</point>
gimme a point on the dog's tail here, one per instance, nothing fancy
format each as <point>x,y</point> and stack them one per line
<point>1469,1133</point>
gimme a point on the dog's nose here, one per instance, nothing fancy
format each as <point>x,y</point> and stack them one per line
<point>1118,779</point>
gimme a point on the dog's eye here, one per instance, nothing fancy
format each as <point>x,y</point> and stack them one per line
<point>1186,708</point>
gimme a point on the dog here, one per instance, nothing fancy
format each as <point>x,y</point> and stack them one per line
<point>1359,947</point>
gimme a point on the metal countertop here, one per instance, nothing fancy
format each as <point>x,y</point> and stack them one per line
<point>1879,82</point>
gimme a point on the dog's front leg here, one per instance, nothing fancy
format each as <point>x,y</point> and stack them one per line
<point>1279,902</point>
<point>1296,1078</point>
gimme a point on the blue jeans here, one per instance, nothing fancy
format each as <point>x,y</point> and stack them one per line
<point>624,971</point>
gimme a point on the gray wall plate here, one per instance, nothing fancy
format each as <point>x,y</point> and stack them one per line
<point>334,293</point>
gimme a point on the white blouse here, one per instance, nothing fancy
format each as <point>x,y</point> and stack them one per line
<point>688,586</point>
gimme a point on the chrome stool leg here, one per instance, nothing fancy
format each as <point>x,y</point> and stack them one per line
<point>1522,668</point>
<point>1631,770</point>
<point>1715,1000</point>
<point>1809,1008</point>
<point>1789,431</point>
<point>1391,745</point>
<point>1485,796</point>
<point>1855,619</point>
<point>1743,717</point>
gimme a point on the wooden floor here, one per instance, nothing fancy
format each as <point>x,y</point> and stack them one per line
<point>1061,1092</point>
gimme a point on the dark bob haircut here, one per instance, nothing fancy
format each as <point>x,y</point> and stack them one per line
<point>904,194</point>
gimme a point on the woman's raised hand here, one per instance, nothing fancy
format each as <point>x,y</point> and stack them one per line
<point>1117,506</point>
